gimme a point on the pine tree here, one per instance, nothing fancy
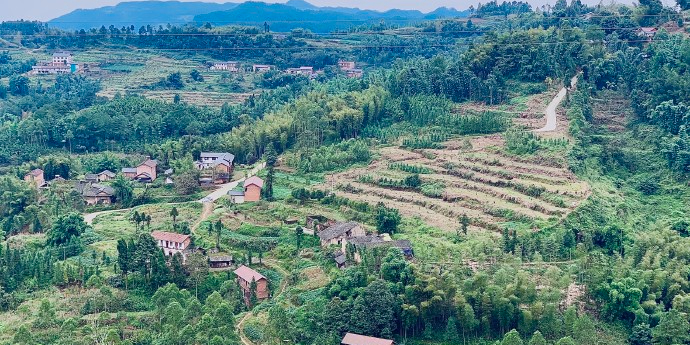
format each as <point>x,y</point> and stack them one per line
<point>452,330</point>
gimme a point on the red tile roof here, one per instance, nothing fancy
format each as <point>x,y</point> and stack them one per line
<point>150,162</point>
<point>255,180</point>
<point>169,236</point>
<point>35,172</point>
<point>248,274</point>
<point>356,339</point>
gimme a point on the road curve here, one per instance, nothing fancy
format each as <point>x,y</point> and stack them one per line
<point>551,108</point>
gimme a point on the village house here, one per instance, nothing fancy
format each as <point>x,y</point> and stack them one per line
<point>340,231</point>
<point>93,178</point>
<point>60,64</point>
<point>130,173</point>
<point>252,189</point>
<point>221,261</point>
<point>376,241</point>
<point>304,70</point>
<point>36,178</point>
<point>146,171</point>
<point>647,32</point>
<point>172,243</point>
<point>245,277</point>
<point>261,68</point>
<point>216,166</point>
<point>94,193</point>
<point>354,73</point>
<point>230,66</point>
<point>357,339</point>
<point>105,175</point>
<point>346,65</point>
<point>236,196</point>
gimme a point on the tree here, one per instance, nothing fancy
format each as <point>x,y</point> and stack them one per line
<point>124,190</point>
<point>566,341</point>
<point>641,335</point>
<point>174,213</point>
<point>374,311</point>
<point>19,85</point>
<point>46,315</point>
<point>197,269</point>
<point>464,224</point>
<point>124,258</point>
<point>65,228</point>
<point>187,183</point>
<point>584,331</point>
<point>145,254</point>
<point>537,339</point>
<point>673,328</point>
<point>299,233</point>
<point>253,298</point>
<point>267,191</point>
<point>512,338</point>
<point>451,334</point>
<point>219,229</point>
<point>387,219</point>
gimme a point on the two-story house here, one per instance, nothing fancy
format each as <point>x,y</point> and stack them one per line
<point>245,277</point>
<point>36,178</point>
<point>172,243</point>
<point>146,171</point>
<point>230,66</point>
<point>252,189</point>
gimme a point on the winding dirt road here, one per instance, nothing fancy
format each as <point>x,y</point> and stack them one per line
<point>551,108</point>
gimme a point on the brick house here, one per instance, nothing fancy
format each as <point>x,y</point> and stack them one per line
<point>245,276</point>
<point>36,178</point>
<point>172,243</point>
<point>357,339</point>
<point>146,171</point>
<point>346,65</point>
<point>252,189</point>
<point>129,172</point>
<point>354,73</point>
<point>337,233</point>
<point>217,166</point>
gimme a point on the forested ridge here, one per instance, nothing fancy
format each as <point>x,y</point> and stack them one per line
<point>452,100</point>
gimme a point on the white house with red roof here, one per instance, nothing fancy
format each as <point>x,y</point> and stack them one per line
<point>172,243</point>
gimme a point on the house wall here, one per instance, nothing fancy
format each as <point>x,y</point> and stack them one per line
<point>104,177</point>
<point>130,175</point>
<point>252,193</point>
<point>237,199</point>
<point>261,288</point>
<point>36,180</point>
<point>147,169</point>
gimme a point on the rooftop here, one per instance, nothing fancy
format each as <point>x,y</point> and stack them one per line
<point>248,274</point>
<point>35,172</point>
<point>107,173</point>
<point>150,163</point>
<point>337,230</point>
<point>169,236</point>
<point>357,339</point>
<point>254,180</point>
<point>129,170</point>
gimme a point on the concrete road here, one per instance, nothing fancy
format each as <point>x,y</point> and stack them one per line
<point>225,188</point>
<point>551,109</point>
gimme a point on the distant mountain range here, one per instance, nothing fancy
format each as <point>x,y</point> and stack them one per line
<point>281,17</point>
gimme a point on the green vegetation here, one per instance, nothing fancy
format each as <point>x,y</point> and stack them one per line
<point>575,236</point>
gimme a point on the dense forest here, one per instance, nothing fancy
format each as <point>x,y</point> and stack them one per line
<point>612,269</point>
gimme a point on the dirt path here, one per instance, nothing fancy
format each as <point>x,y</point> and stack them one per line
<point>205,213</point>
<point>240,330</point>
<point>551,108</point>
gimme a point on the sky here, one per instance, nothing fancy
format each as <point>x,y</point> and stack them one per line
<point>49,9</point>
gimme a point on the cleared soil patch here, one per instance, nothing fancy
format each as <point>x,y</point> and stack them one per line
<point>486,185</point>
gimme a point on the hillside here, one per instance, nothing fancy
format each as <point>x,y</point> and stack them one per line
<point>137,13</point>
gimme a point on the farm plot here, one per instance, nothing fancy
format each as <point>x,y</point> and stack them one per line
<point>482,183</point>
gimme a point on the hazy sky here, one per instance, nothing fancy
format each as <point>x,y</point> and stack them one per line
<point>49,9</point>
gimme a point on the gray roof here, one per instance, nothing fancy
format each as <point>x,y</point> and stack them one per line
<point>222,258</point>
<point>107,173</point>
<point>219,155</point>
<point>93,189</point>
<point>236,193</point>
<point>62,54</point>
<point>340,259</point>
<point>91,177</point>
<point>168,172</point>
<point>129,170</point>
<point>365,240</point>
<point>336,230</point>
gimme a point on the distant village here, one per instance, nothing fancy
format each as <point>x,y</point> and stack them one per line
<point>63,63</point>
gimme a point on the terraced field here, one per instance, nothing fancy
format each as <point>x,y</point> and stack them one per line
<point>485,184</point>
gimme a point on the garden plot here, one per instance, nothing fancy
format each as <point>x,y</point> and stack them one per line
<point>488,186</point>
